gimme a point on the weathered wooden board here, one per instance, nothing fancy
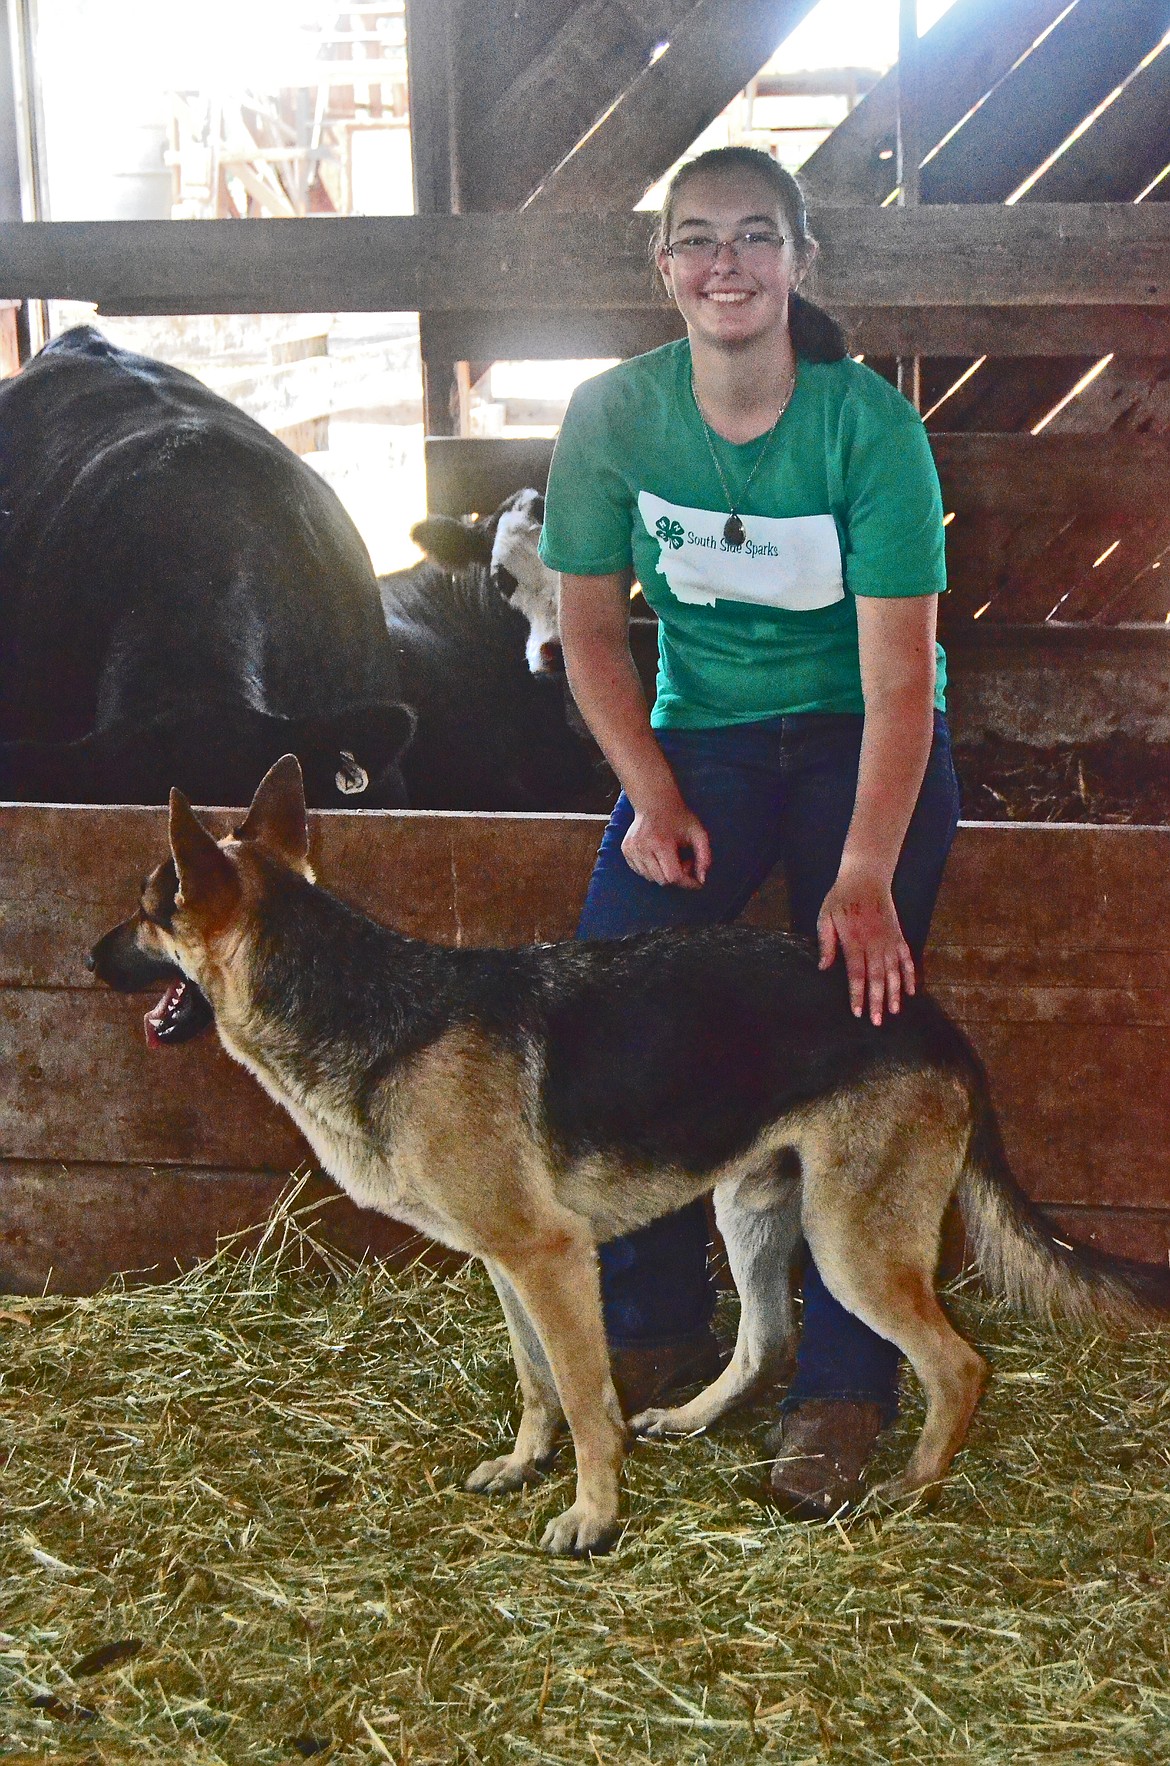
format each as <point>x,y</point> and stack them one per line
<point>710,55</point>
<point>958,332</point>
<point>429,50</point>
<point>1065,526</point>
<point>553,100</point>
<point>1051,944</point>
<point>1053,682</point>
<point>1047,94</point>
<point>1125,148</point>
<point>74,1227</point>
<point>958,255</point>
<point>1015,477</point>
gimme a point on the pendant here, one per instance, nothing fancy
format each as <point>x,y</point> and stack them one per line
<point>733,531</point>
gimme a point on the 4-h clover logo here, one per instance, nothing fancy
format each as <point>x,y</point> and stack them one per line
<point>669,532</point>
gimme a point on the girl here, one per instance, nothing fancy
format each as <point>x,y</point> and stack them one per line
<point>779,506</point>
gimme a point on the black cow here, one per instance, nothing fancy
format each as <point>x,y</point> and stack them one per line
<point>490,734</point>
<point>182,600</point>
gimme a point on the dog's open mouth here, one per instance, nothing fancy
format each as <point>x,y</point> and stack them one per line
<point>180,1014</point>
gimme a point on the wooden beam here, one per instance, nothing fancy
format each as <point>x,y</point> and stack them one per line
<point>821,82</point>
<point>714,52</point>
<point>428,59</point>
<point>429,29</point>
<point>599,50</point>
<point>471,476</point>
<point>1043,254</point>
<point>1013,476</point>
<point>1029,474</point>
<point>971,47</point>
<point>536,335</point>
<point>496,37</point>
<point>1004,331</point>
<point>956,332</point>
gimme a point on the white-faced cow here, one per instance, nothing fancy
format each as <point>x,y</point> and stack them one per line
<point>182,600</point>
<point>504,544</point>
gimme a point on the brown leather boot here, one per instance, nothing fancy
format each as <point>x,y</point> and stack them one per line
<point>823,1448</point>
<point>644,1376</point>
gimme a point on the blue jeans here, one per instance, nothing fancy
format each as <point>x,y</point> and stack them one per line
<point>776,792</point>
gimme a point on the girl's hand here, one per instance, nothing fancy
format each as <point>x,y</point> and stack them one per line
<point>858,918</point>
<point>668,844</point>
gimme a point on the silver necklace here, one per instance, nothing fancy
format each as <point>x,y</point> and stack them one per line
<point>734,531</point>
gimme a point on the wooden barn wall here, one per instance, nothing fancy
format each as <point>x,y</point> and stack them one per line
<point>1037,70</point>
<point>1051,946</point>
<point>1071,527</point>
<point>1001,86</point>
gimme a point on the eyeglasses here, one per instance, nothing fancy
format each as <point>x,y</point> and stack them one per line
<point>753,246</point>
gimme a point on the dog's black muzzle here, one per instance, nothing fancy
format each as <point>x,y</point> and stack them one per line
<point>182,1012</point>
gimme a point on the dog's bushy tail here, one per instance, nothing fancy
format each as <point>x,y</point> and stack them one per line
<point>1023,1260</point>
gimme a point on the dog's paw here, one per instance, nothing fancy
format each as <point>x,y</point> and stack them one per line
<point>653,1425</point>
<point>582,1531</point>
<point>495,1477</point>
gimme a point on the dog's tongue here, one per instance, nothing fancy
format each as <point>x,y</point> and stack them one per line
<point>183,1012</point>
<point>161,1020</point>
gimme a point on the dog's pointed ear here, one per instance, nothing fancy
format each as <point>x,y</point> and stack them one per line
<point>277,817</point>
<point>206,875</point>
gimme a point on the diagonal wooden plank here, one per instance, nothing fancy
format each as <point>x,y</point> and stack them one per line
<point>1087,55</point>
<point>716,49</point>
<point>1127,146</point>
<point>1131,397</point>
<point>960,59</point>
<point>599,50</point>
<point>1116,159</point>
<point>1090,52</point>
<point>1029,115</point>
<point>494,38</point>
<point>1006,395</point>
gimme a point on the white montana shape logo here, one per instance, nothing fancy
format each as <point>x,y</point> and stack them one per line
<point>792,562</point>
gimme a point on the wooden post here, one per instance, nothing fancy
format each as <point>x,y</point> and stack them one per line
<point>10,207</point>
<point>908,160</point>
<point>433,159</point>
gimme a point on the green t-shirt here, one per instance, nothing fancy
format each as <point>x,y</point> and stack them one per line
<point>844,502</point>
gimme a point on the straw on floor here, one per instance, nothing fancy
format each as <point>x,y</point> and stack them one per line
<point>233,1531</point>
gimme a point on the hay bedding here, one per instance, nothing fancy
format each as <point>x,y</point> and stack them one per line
<point>1116,780</point>
<point>233,1532</point>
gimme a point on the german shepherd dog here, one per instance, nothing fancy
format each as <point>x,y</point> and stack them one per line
<point>524,1105</point>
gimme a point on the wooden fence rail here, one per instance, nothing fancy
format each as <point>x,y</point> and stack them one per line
<point>1051,945</point>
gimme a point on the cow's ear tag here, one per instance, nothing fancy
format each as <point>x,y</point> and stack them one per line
<point>206,875</point>
<point>351,777</point>
<point>277,817</point>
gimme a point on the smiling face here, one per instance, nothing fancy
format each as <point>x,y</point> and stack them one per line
<point>742,297</point>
